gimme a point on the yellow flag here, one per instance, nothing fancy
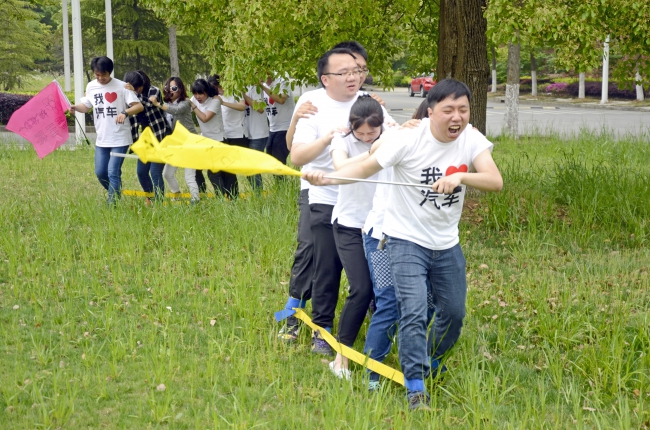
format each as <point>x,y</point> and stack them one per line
<point>147,147</point>
<point>185,149</point>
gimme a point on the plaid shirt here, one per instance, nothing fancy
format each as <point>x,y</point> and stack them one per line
<point>156,119</point>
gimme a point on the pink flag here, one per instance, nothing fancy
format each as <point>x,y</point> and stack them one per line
<point>42,120</point>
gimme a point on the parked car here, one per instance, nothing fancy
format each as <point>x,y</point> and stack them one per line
<point>421,85</point>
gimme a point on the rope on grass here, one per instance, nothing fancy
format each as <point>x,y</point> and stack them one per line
<point>346,351</point>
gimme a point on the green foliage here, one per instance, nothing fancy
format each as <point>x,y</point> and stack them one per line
<point>245,39</point>
<point>23,41</point>
<point>140,41</point>
<point>577,30</point>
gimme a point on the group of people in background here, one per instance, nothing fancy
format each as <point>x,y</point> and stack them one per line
<point>258,119</point>
<point>398,245</point>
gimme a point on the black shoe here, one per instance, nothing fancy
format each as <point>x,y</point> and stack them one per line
<point>419,401</point>
<point>290,331</point>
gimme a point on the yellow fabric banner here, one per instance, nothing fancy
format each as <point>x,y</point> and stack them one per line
<point>346,351</point>
<point>185,149</point>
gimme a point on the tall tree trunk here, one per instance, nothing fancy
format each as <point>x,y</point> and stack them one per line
<point>581,85</point>
<point>639,86</point>
<point>533,74</point>
<point>462,51</point>
<point>512,89</point>
<point>494,69</point>
<point>173,51</point>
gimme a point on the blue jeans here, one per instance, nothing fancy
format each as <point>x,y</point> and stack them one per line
<point>383,324</point>
<point>411,266</point>
<point>258,145</point>
<point>109,170</point>
<point>155,181</point>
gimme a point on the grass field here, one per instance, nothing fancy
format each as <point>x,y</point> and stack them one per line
<point>162,317</point>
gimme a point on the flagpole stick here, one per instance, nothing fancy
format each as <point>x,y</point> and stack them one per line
<point>117,154</point>
<point>458,189</point>
<point>82,130</point>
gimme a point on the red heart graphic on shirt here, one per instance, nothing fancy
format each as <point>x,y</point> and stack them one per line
<point>271,101</point>
<point>453,169</point>
<point>110,97</point>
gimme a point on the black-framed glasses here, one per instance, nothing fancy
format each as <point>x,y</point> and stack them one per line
<point>355,72</point>
<point>173,88</point>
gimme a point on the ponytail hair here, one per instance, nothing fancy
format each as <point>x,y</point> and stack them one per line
<point>147,83</point>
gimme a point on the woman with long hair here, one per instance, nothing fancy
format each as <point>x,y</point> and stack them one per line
<point>348,217</point>
<point>178,109</point>
<point>150,175</point>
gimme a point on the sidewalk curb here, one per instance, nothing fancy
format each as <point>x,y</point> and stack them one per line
<point>587,105</point>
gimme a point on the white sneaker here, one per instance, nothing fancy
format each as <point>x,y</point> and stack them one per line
<point>341,373</point>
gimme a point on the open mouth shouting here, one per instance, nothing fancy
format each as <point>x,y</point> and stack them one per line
<point>454,131</point>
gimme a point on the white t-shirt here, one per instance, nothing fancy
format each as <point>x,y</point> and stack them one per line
<point>354,200</point>
<point>213,128</point>
<point>280,114</point>
<point>418,214</point>
<point>257,123</point>
<point>331,114</point>
<point>107,102</point>
<point>234,121</point>
<point>375,218</point>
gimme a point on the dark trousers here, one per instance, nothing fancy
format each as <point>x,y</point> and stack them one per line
<point>303,268</point>
<point>349,244</point>
<point>224,182</point>
<point>277,146</point>
<point>200,181</point>
<point>150,176</point>
<point>327,266</point>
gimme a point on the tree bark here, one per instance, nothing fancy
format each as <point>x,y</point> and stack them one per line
<point>494,69</point>
<point>533,74</point>
<point>173,51</point>
<point>581,85</point>
<point>512,89</point>
<point>462,51</point>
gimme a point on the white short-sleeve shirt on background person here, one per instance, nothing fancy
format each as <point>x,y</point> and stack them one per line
<point>418,214</point>
<point>107,102</point>
<point>213,128</point>
<point>279,114</point>
<point>257,123</point>
<point>234,121</point>
<point>375,218</point>
<point>354,200</point>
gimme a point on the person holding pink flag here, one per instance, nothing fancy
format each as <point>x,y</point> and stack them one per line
<point>42,120</point>
<point>112,104</point>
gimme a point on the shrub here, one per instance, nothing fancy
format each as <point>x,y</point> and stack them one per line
<point>558,87</point>
<point>594,89</point>
<point>9,103</point>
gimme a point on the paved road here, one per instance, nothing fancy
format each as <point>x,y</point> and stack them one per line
<point>544,119</point>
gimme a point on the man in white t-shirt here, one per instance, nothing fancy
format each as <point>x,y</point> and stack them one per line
<point>339,74</point>
<point>421,224</point>
<point>279,108</point>
<point>112,104</point>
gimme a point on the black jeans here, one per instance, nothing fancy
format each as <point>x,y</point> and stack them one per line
<point>303,268</point>
<point>349,244</point>
<point>224,182</point>
<point>327,266</point>
<point>277,146</point>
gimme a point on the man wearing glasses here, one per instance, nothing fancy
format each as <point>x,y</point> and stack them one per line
<point>340,75</point>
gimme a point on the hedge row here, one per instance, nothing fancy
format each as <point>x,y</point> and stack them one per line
<point>9,103</point>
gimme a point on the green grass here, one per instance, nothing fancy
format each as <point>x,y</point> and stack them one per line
<point>99,307</point>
